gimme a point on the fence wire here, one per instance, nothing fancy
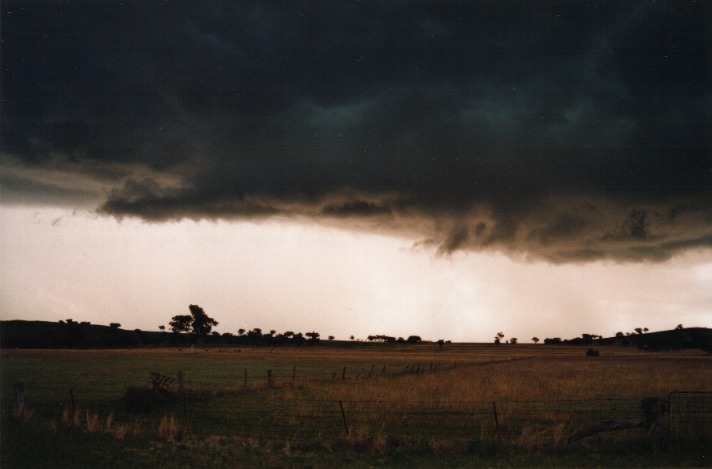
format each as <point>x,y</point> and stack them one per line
<point>255,407</point>
<point>270,416</point>
<point>690,418</point>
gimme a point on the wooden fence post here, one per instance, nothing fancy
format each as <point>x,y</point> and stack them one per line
<point>181,382</point>
<point>185,410</point>
<point>496,422</point>
<point>19,408</point>
<point>270,381</point>
<point>343,416</point>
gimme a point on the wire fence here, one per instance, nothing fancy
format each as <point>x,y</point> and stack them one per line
<point>302,419</point>
<point>258,408</point>
<point>690,418</point>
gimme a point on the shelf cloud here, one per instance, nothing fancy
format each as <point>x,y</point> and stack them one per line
<point>567,131</point>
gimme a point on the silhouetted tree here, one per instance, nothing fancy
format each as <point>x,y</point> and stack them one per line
<point>298,339</point>
<point>331,337</point>
<point>240,331</point>
<point>498,338</point>
<point>513,340</point>
<point>535,340</point>
<point>313,337</point>
<point>114,325</point>
<point>181,323</point>
<point>255,336</point>
<point>679,326</point>
<point>162,328</point>
<point>202,323</point>
<point>197,323</point>
<point>638,330</point>
<point>414,339</point>
<point>440,343</point>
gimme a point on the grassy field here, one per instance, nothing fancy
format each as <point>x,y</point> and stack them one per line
<point>356,405</point>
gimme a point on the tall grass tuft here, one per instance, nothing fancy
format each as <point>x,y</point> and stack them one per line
<point>93,424</point>
<point>169,430</point>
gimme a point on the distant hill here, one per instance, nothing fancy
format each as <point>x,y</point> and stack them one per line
<point>43,334</point>
<point>73,334</point>
<point>689,338</point>
<point>676,339</point>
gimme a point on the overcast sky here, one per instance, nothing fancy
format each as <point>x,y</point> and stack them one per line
<point>445,168</point>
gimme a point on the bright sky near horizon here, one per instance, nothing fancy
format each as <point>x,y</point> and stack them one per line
<point>59,264</point>
<point>445,169</point>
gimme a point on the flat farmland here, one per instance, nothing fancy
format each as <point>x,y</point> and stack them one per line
<point>346,404</point>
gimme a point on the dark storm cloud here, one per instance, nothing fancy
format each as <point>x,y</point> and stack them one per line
<point>569,131</point>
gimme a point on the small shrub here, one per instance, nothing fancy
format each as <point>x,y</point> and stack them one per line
<point>591,352</point>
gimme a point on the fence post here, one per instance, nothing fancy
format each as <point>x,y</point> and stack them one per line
<point>496,422</point>
<point>269,379</point>
<point>71,397</point>
<point>343,416</point>
<point>185,410</point>
<point>19,399</point>
<point>181,382</point>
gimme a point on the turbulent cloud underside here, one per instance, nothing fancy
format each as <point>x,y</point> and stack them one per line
<point>568,131</point>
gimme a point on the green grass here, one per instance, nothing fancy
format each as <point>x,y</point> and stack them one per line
<point>441,416</point>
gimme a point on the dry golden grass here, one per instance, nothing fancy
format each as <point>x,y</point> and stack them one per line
<point>538,378</point>
<point>385,400</point>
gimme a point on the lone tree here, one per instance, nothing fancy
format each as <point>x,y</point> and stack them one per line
<point>313,337</point>
<point>535,340</point>
<point>197,323</point>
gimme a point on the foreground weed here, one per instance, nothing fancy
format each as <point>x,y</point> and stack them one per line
<point>27,414</point>
<point>71,418</point>
<point>169,430</point>
<point>121,431</point>
<point>93,422</point>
